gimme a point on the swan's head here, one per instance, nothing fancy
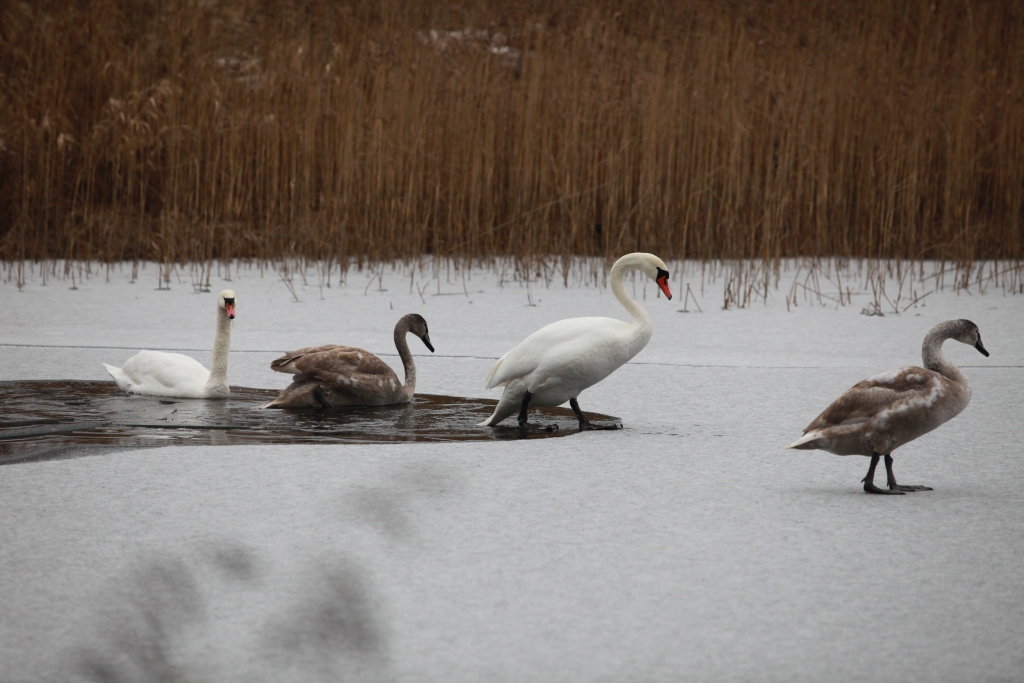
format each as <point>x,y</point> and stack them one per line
<point>655,269</point>
<point>415,323</point>
<point>968,333</point>
<point>226,302</point>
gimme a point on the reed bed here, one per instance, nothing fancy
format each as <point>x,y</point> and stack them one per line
<point>344,133</point>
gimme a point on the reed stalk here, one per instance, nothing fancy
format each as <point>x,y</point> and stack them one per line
<point>188,131</point>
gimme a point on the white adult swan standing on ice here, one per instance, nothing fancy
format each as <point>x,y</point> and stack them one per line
<point>158,373</point>
<point>557,362</point>
<point>883,412</point>
<point>333,376</point>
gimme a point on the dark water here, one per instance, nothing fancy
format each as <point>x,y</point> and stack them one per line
<point>61,419</point>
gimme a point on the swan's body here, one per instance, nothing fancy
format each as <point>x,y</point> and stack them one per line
<point>883,412</point>
<point>158,373</point>
<point>557,362</point>
<point>333,376</point>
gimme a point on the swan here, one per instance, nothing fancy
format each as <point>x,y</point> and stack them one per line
<point>332,376</point>
<point>158,373</point>
<point>883,412</point>
<point>555,363</point>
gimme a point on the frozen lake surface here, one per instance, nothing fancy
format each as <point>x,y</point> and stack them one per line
<point>688,546</point>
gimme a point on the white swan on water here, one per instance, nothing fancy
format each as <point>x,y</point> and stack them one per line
<point>880,414</point>
<point>557,362</point>
<point>158,373</point>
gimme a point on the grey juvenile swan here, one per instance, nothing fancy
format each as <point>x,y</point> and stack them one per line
<point>332,376</point>
<point>883,412</point>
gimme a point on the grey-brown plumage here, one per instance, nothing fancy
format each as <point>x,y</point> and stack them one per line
<point>883,412</point>
<point>332,376</point>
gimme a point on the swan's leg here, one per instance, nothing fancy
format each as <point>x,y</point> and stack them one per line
<point>524,425</point>
<point>891,479</point>
<point>587,424</point>
<point>526,406</point>
<point>869,479</point>
<point>318,394</point>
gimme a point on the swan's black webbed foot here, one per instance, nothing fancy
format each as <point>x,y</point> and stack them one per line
<point>525,426</point>
<point>318,394</point>
<point>593,425</point>
<point>585,423</point>
<point>871,488</point>
<point>537,427</point>
<point>891,480</point>
<point>869,479</point>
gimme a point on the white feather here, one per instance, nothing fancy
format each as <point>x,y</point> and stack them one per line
<point>559,361</point>
<point>159,373</point>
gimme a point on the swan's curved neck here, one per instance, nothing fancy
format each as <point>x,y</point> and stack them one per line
<point>401,329</point>
<point>931,354</point>
<point>221,345</point>
<point>636,311</point>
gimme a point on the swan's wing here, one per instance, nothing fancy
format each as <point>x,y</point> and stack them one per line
<point>556,342</point>
<point>282,364</point>
<point>489,381</point>
<point>896,391</point>
<point>154,369</point>
<point>335,364</point>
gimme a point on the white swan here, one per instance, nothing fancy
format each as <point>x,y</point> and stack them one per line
<point>332,376</point>
<point>158,373</point>
<point>883,412</point>
<point>555,363</point>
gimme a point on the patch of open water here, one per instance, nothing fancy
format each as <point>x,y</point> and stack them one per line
<point>61,419</point>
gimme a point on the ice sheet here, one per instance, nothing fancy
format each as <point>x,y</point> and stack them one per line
<point>689,546</point>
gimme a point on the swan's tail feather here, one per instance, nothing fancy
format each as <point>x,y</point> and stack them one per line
<point>494,418</point>
<point>120,379</point>
<point>807,442</point>
<point>491,421</point>
<point>508,405</point>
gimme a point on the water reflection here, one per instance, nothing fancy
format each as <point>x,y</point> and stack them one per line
<point>61,419</point>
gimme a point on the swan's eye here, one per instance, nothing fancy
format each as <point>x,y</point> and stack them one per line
<point>662,273</point>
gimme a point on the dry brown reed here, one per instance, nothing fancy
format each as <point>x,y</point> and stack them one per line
<point>191,131</point>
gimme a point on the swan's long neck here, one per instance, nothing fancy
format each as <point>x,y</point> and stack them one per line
<point>636,311</point>
<point>221,346</point>
<point>931,353</point>
<point>401,329</point>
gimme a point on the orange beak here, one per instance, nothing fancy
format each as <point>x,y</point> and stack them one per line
<point>230,310</point>
<point>663,283</point>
